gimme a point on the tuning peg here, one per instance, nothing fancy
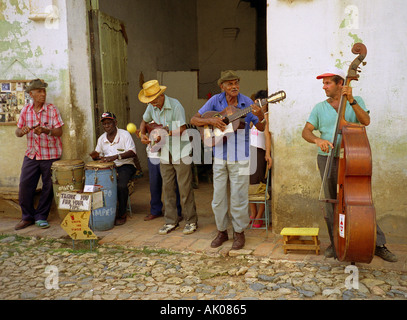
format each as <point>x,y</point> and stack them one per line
<point>364,63</point>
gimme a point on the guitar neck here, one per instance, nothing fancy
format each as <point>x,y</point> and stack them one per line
<point>240,113</point>
<point>275,97</point>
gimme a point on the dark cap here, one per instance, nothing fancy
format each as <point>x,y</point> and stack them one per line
<point>107,115</point>
<point>227,76</point>
<point>36,84</point>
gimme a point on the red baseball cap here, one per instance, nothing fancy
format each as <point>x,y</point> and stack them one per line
<point>333,71</point>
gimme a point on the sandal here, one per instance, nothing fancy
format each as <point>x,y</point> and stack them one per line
<point>258,224</point>
<point>43,224</point>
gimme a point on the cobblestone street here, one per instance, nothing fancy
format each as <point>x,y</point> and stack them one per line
<point>35,268</point>
<point>134,262</point>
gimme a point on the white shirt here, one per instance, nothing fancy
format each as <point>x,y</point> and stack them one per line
<point>257,138</point>
<point>122,142</point>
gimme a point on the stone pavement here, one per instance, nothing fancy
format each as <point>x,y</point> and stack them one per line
<point>138,233</point>
<point>134,262</point>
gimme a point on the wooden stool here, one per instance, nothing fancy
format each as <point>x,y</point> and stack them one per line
<point>292,239</point>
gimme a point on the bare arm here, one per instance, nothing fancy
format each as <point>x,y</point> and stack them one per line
<point>308,135</point>
<point>362,116</point>
<point>267,135</point>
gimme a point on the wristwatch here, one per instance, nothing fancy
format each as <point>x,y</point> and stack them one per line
<point>353,102</point>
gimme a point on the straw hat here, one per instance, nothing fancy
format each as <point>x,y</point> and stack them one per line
<point>151,90</point>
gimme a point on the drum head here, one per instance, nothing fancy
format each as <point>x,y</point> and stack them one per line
<point>68,164</point>
<point>99,165</point>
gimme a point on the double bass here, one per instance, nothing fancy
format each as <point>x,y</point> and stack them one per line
<point>354,229</point>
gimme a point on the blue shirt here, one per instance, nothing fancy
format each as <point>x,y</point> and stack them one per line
<point>324,117</point>
<point>237,146</point>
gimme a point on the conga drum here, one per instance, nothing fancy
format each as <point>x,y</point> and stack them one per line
<point>105,175</point>
<point>67,175</point>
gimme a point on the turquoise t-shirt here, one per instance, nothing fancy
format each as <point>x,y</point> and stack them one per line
<point>323,117</point>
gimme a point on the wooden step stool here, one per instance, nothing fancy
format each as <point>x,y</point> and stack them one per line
<point>292,239</point>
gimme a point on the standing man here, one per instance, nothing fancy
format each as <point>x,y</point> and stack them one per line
<point>323,118</point>
<point>42,123</point>
<point>231,160</point>
<point>116,145</point>
<point>156,185</point>
<point>175,162</point>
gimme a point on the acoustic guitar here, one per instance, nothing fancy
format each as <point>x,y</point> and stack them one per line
<point>231,117</point>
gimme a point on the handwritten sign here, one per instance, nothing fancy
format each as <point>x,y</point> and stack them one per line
<point>80,201</point>
<point>76,225</point>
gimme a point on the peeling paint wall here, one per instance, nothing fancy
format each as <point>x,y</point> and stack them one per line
<point>41,48</point>
<point>304,38</point>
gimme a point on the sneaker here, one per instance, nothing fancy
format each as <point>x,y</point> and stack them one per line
<point>167,228</point>
<point>385,254</point>
<point>190,228</point>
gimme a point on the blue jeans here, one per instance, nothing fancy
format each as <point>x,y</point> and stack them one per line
<point>156,186</point>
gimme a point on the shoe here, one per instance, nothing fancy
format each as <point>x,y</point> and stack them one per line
<point>258,224</point>
<point>329,252</point>
<point>239,241</point>
<point>385,254</point>
<point>23,224</point>
<point>152,217</point>
<point>120,221</point>
<point>190,228</point>
<point>43,224</point>
<point>220,239</point>
<point>167,228</point>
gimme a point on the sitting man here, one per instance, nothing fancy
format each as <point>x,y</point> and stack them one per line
<point>116,145</point>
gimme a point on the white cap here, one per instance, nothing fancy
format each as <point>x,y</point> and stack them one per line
<point>333,71</point>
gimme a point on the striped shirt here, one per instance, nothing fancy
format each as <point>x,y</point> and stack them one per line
<point>42,147</point>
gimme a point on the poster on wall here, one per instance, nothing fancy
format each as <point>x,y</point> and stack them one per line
<point>12,99</point>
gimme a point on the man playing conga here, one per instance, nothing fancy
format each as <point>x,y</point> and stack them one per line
<point>116,145</point>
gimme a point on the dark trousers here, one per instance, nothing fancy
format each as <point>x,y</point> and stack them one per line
<point>31,171</point>
<point>124,175</point>
<point>156,187</point>
<point>331,192</point>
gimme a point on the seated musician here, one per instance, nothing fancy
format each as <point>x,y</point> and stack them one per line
<point>116,145</point>
<point>229,166</point>
<point>323,118</point>
<point>175,164</point>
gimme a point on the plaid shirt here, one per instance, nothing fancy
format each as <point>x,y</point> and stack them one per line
<point>42,147</point>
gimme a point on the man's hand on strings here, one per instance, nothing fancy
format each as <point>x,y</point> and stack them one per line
<point>347,91</point>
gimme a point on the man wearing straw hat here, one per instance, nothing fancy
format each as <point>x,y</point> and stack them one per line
<point>175,162</point>
<point>42,123</point>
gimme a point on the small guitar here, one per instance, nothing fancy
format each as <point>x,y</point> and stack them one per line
<point>231,117</point>
<point>157,133</point>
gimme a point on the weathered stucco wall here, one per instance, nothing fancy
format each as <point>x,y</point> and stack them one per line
<point>306,37</point>
<point>43,49</point>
